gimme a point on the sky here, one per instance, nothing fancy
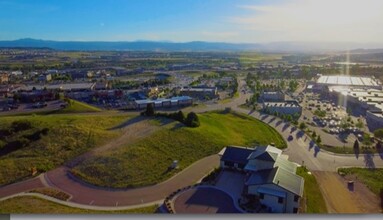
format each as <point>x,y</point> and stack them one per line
<point>237,21</point>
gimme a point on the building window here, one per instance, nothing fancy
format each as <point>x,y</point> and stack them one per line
<point>261,196</point>
<point>295,210</point>
<point>296,198</point>
<point>280,200</point>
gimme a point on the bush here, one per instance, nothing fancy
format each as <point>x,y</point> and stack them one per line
<point>21,125</point>
<point>379,133</point>
<point>302,125</point>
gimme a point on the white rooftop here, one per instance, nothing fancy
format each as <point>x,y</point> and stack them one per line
<point>347,80</point>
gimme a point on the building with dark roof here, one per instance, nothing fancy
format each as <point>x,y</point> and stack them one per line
<point>271,178</point>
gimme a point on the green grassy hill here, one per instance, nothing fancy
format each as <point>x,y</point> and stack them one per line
<point>78,107</point>
<point>47,141</point>
<point>146,162</point>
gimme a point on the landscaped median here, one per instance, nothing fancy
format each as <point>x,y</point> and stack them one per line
<point>147,161</point>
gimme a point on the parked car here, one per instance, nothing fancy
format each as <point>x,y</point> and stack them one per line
<point>39,105</point>
<point>6,108</point>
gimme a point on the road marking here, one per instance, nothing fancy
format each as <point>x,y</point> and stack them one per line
<point>91,202</point>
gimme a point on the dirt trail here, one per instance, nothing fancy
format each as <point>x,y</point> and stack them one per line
<point>131,132</point>
<point>339,199</point>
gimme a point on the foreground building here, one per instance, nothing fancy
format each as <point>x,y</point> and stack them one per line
<point>270,180</point>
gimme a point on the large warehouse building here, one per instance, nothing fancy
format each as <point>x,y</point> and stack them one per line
<point>349,81</point>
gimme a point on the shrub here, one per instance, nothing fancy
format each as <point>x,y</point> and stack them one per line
<point>21,125</point>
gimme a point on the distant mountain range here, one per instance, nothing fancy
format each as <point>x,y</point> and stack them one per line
<point>305,47</point>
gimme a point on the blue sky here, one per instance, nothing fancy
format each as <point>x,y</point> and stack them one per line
<point>191,20</point>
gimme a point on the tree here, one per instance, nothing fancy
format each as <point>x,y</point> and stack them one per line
<point>180,116</point>
<point>359,124</point>
<point>366,139</point>
<point>302,125</point>
<point>149,109</point>
<point>293,85</point>
<point>314,134</point>
<point>319,140</point>
<point>192,120</point>
<point>282,84</point>
<point>379,133</point>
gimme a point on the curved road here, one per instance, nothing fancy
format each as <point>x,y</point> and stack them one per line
<point>300,150</point>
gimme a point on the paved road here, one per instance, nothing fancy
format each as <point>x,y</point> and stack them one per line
<point>302,150</point>
<point>24,186</point>
<point>299,150</point>
<point>85,194</point>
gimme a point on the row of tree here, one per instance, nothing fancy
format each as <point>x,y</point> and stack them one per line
<point>191,120</point>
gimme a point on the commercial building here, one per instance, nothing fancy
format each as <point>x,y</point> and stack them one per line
<point>68,87</point>
<point>369,102</point>
<point>199,92</point>
<point>270,180</point>
<point>272,96</point>
<point>349,82</point>
<point>167,103</point>
<point>374,119</point>
<point>285,108</point>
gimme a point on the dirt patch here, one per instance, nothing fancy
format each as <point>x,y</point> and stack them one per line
<point>367,200</point>
<point>343,199</point>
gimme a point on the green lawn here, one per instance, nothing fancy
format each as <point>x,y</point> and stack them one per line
<point>64,137</point>
<point>35,205</point>
<point>78,107</point>
<point>312,194</point>
<point>146,162</point>
<point>373,178</point>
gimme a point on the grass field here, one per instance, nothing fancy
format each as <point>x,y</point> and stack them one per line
<point>35,205</point>
<point>78,107</point>
<point>313,196</point>
<point>373,178</point>
<point>65,136</point>
<point>146,162</point>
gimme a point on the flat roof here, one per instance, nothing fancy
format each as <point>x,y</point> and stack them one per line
<point>281,104</point>
<point>173,99</point>
<point>347,80</point>
<point>68,86</point>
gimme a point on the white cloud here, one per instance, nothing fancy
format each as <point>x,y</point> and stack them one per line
<point>314,20</point>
